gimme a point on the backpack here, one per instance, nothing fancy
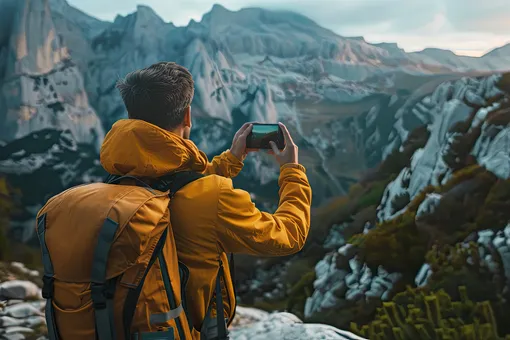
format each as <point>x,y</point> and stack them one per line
<point>110,264</point>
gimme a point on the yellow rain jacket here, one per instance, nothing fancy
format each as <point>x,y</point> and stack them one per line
<point>209,217</point>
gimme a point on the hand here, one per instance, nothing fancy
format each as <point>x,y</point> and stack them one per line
<point>238,148</point>
<point>289,155</point>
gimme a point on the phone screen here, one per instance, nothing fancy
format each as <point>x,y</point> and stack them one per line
<point>262,134</point>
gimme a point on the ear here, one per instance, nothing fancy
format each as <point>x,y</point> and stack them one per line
<point>187,117</point>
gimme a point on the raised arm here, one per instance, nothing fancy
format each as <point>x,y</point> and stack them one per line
<point>242,228</point>
<point>226,165</point>
<point>230,162</point>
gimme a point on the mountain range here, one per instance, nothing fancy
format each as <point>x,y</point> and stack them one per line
<point>346,101</point>
<point>407,153</point>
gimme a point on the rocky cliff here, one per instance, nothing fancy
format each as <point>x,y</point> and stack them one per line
<point>40,85</point>
<point>431,219</point>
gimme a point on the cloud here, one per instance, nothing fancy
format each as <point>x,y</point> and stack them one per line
<point>490,16</point>
<point>348,14</point>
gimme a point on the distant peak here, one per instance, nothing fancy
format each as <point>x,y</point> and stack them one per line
<point>218,8</point>
<point>220,16</point>
<point>142,8</point>
<point>436,49</point>
<point>147,12</point>
<point>388,45</point>
<point>499,51</point>
<point>217,11</point>
<point>359,38</point>
<point>433,51</point>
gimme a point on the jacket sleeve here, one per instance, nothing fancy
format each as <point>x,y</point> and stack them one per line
<point>225,165</point>
<point>242,228</point>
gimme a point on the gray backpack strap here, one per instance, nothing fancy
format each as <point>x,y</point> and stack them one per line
<point>102,291</point>
<point>220,318</point>
<point>48,279</point>
<point>176,181</point>
<point>216,329</point>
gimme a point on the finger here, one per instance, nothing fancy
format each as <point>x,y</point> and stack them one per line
<point>286,134</point>
<point>244,127</point>
<point>247,131</point>
<point>274,148</point>
<point>241,130</point>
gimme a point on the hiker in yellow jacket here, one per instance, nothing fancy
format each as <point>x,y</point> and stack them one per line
<point>209,216</point>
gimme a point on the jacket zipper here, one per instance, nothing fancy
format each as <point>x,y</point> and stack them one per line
<point>170,294</point>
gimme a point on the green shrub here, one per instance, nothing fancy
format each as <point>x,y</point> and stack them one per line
<point>504,83</point>
<point>495,212</point>
<point>299,293</point>
<point>418,199</point>
<point>303,265</point>
<point>459,155</point>
<point>457,265</point>
<point>423,315</point>
<point>373,195</point>
<point>397,245</point>
<point>461,176</point>
<point>499,117</point>
<point>456,215</point>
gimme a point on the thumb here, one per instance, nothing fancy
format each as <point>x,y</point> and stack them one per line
<point>274,148</point>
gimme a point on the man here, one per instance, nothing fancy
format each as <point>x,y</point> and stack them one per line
<point>209,217</point>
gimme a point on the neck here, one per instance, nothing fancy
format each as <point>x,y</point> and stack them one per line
<point>178,131</point>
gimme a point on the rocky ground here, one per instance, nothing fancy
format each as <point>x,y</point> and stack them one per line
<point>22,314</point>
<point>21,303</point>
<point>254,324</point>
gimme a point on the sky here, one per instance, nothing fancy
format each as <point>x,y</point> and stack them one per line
<point>467,27</point>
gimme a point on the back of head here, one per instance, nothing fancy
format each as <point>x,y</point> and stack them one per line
<point>158,94</point>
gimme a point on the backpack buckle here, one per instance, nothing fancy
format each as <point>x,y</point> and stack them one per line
<point>109,289</point>
<point>97,292</point>
<point>162,185</point>
<point>47,289</point>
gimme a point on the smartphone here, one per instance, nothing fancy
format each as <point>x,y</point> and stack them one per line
<point>262,134</point>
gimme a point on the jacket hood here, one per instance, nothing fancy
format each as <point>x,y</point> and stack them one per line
<point>135,147</point>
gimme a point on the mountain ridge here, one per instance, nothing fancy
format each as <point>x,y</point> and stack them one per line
<point>220,9</point>
<point>340,97</point>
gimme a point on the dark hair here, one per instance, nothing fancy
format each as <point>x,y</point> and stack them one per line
<point>158,94</point>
